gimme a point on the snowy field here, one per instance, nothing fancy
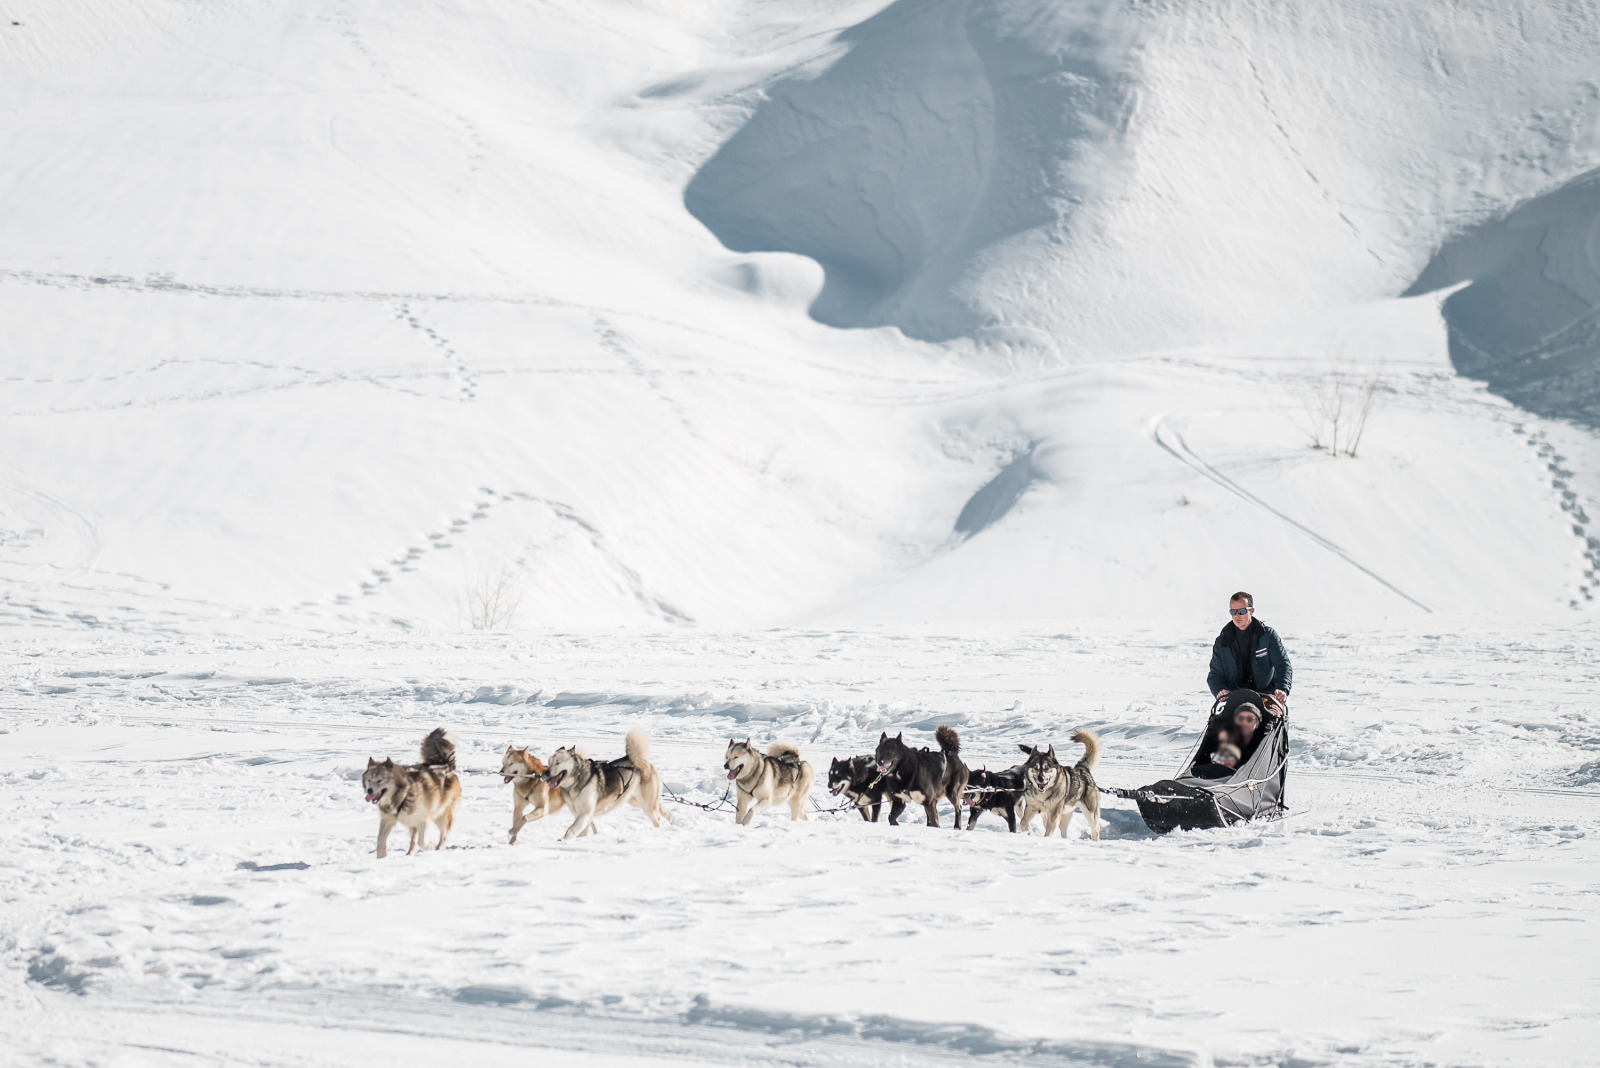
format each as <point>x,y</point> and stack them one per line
<point>804,369</point>
<point>1431,900</point>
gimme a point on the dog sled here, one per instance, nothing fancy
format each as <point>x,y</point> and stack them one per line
<point>1198,797</point>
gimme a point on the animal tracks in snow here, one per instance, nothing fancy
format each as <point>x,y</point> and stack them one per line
<point>511,549</point>
<point>1561,481</point>
<point>459,371</point>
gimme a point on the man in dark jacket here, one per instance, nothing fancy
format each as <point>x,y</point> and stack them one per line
<point>1249,655</point>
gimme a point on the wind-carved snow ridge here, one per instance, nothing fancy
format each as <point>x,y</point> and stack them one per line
<point>947,128</point>
<point>1529,322</point>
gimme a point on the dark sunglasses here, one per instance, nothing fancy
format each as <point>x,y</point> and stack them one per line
<point>1240,611</point>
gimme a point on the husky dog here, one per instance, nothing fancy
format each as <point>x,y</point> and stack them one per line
<point>921,775</point>
<point>994,791</point>
<point>764,780</point>
<point>1056,790</point>
<point>416,795</point>
<point>594,787</point>
<point>858,779</point>
<point>527,771</point>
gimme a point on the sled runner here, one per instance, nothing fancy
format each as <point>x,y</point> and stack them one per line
<point>1203,795</point>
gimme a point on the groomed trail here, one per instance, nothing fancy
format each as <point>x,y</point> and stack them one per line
<point>189,865</point>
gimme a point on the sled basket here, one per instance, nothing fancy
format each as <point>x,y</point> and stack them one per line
<point>1169,804</point>
<point>1253,790</point>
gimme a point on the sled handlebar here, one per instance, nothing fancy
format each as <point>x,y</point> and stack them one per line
<point>1269,703</point>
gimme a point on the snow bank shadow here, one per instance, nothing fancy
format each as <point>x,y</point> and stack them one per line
<point>1529,322</point>
<point>492,1020</point>
<point>678,705</point>
<point>52,970</point>
<point>971,1039</point>
<point>1124,823</point>
<point>498,995</point>
<point>947,127</point>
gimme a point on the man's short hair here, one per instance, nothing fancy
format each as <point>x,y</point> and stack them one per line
<point>1250,602</point>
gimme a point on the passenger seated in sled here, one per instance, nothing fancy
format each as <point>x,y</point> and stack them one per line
<point>1233,735</point>
<point>1222,761</point>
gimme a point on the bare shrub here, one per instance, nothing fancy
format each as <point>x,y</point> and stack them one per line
<point>492,596</point>
<point>1339,406</point>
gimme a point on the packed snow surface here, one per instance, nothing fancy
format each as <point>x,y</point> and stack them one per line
<point>188,861</point>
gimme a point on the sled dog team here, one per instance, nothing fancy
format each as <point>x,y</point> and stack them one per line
<point>417,795</point>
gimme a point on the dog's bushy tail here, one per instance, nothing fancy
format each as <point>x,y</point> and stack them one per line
<point>784,751</point>
<point>439,748</point>
<point>1091,748</point>
<point>637,746</point>
<point>948,739</point>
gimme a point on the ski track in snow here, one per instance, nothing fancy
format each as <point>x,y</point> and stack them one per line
<point>1171,439</point>
<point>56,542</point>
<point>188,869</point>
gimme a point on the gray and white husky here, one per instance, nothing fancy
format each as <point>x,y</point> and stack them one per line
<point>594,787</point>
<point>415,795</point>
<point>1054,790</point>
<point>764,779</point>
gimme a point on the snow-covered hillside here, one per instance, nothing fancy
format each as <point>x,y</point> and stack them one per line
<point>1104,179</point>
<point>345,315</point>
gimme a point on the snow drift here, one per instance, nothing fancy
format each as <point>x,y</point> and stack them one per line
<point>944,130</point>
<point>1526,324</point>
<point>1099,179</point>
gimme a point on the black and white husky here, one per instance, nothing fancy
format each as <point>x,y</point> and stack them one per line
<point>922,775</point>
<point>994,791</point>
<point>858,779</point>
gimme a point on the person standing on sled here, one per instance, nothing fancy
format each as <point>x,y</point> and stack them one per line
<point>1249,655</point>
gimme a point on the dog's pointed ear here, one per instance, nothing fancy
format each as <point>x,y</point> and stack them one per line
<point>900,737</point>
<point>1052,750</point>
<point>370,762</point>
<point>388,762</point>
<point>884,737</point>
<point>747,739</point>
